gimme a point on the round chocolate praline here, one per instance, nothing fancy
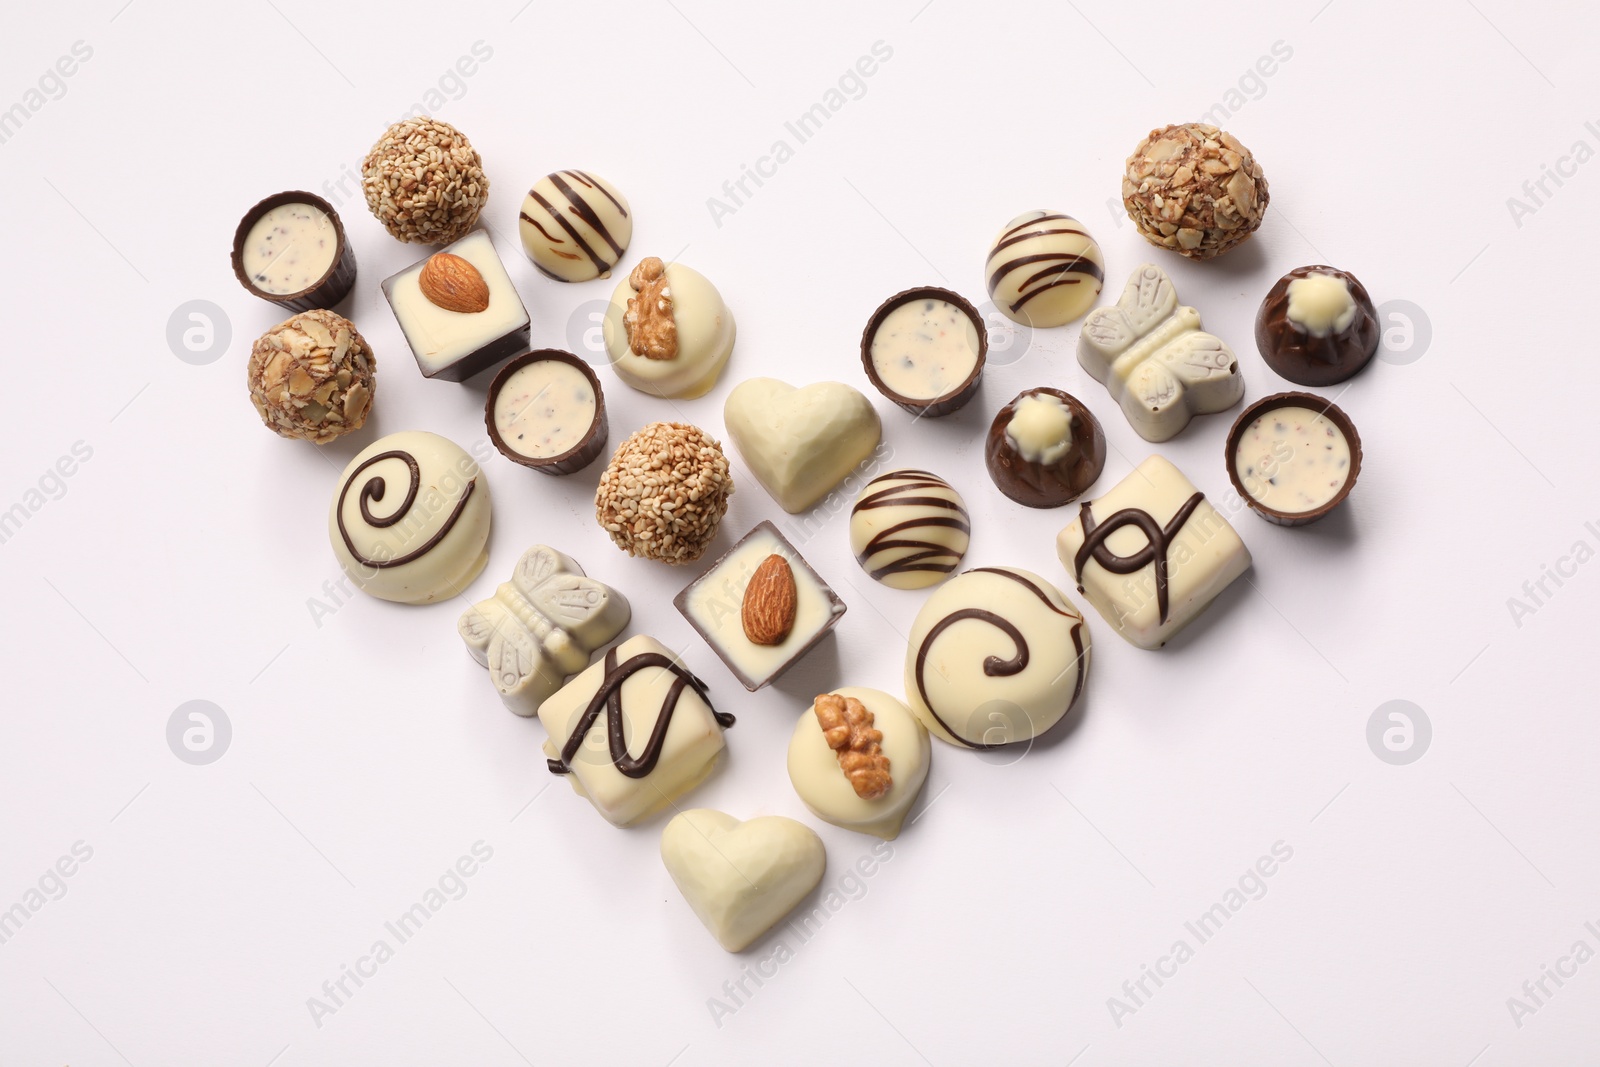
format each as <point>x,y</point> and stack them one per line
<point>955,399</point>
<point>1308,357</point>
<point>580,455</point>
<point>326,291</point>
<point>1328,410</point>
<point>1046,485</point>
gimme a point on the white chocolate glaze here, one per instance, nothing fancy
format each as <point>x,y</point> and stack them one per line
<point>1320,305</point>
<point>544,408</point>
<point>925,348</point>
<point>439,337</point>
<point>689,747</point>
<point>996,655</point>
<point>575,226</point>
<point>541,627</point>
<point>706,333</point>
<point>1044,269</point>
<point>1041,428</point>
<point>428,531</point>
<point>1292,459</point>
<point>741,878</point>
<point>909,529</point>
<point>800,443</point>
<point>816,775</point>
<point>715,601</point>
<point>1153,358</point>
<point>289,249</point>
<point>1203,554</point>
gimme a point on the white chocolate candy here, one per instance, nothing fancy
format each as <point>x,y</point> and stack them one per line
<point>800,443</point>
<point>909,529</point>
<point>705,334</point>
<point>410,519</point>
<point>741,878</point>
<point>925,349</point>
<point>665,741</point>
<point>545,408</point>
<point>714,604</point>
<point>1041,428</point>
<point>997,655</point>
<point>1151,553</point>
<point>1154,360</point>
<point>289,249</point>
<point>454,345</point>
<point>1044,269</point>
<point>575,226</point>
<point>1321,304</point>
<point>1292,459</point>
<point>815,771</point>
<point>541,627</point>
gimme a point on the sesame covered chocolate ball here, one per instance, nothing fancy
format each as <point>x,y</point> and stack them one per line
<point>424,181</point>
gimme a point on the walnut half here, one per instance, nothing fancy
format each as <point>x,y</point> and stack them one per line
<point>847,727</point>
<point>652,331</point>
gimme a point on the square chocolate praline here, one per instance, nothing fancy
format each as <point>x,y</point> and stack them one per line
<point>713,604</point>
<point>453,345</point>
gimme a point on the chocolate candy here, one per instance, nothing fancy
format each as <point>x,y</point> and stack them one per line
<point>458,310</point>
<point>1044,269</point>
<point>291,249</point>
<point>1317,326</point>
<point>633,732</point>
<point>1194,189</point>
<point>312,377</point>
<point>997,655</point>
<point>1293,457</point>
<point>664,492</point>
<point>545,410</point>
<point>575,226</point>
<point>909,529</point>
<point>757,628</point>
<point>410,520</point>
<point>741,878</point>
<point>424,182</point>
<point>1044,448</point>
<point>800,443</point>
<point>924,349</point>
<point>541,627</point>
<point>1153,358</point>
<point>1151,554</point>
<point>858,759</point>
<point>667,331</point>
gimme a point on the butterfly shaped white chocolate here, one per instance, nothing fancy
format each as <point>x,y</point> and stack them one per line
<point>1152,356</point>
<point>541,627</point>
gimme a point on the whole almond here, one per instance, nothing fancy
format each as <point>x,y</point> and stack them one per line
<point>452,283</point>
<point>769,602</point>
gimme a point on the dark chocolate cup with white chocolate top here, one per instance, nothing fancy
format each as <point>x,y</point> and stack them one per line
<point>1293,457</point>
<point>1045,473</point>
<point>924,349</point>
<point>545,410</point>
<point>289,263</point>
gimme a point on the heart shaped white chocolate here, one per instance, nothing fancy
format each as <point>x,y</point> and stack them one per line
<point>741,877</point>
<point>800,443</point>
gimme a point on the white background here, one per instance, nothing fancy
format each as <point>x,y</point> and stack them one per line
<point>369,753</point>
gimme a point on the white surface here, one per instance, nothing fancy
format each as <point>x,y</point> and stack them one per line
<point>369,753</point>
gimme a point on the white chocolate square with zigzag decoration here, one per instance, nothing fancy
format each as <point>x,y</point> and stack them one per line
<point>1153,358</point>
<point>633,732</point>
<point>1151,553</point>
<point>541,627</point>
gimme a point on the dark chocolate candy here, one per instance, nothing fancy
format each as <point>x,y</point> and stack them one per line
<point>1304,358</point>
<point>1046,485</point>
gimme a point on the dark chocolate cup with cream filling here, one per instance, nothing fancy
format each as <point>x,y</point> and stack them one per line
<point>580,455</point>
<point>325,292</point>
<point>937,406</point>
<point>1322,406</point>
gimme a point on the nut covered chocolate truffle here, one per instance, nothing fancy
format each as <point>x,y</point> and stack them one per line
<point>1194,189</point>
<point>664,492</point>
<point>424,181</point>
<point>312,377</point>
<point>1317,326</point>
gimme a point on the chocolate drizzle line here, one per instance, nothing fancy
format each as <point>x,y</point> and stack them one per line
<point>921,551</point>
<point>994,666</point>
<point>609,697</point>
<point>374,489</point>
<point>1158,540</point>
<point>1065,263</point>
